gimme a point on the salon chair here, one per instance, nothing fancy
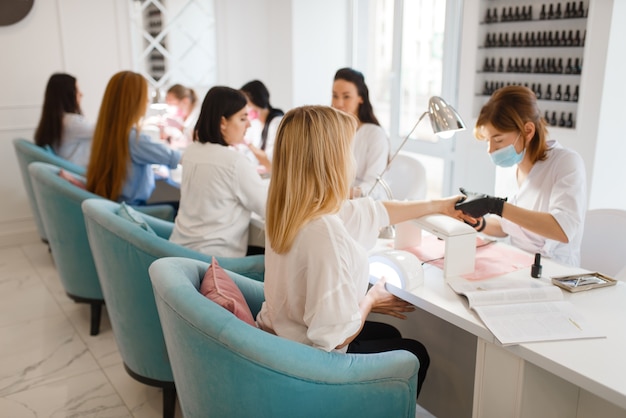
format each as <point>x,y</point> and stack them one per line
<point>224,367</point>
<point>28,152</point>
<point>123,250</point>
<point>59,205</point>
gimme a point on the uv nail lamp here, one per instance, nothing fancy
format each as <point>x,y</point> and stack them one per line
<point>400,268</point>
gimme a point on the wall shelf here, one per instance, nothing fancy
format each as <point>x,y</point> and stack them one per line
<point>533,48</point>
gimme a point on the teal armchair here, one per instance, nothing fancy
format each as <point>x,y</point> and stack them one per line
<point>224,367</point>
<point>123,252</point>
<point>28,152</point>
<point>59,204</point>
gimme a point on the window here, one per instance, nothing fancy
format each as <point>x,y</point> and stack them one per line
<point>404,50</point>
<point>174,42</point>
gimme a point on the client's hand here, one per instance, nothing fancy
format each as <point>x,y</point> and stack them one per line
<point>478,205</point>
<point>387,303</point>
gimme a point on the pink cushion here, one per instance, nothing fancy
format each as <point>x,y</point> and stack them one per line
<point>69,177</point>
<point>220,288</point>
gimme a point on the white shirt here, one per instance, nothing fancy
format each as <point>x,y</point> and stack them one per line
<point>253,136</point>
<point>371,151</point>
<point>219,191</point>
<point>558,186</point>
<point>76,139</point>
<point>312,293</point>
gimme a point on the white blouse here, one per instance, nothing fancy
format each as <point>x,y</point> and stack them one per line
<point>371,152</point>
<point>312,292</point>
<point>220,189</point>
<point>558,186</point>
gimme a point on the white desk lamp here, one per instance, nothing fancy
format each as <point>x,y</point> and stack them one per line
<point>444,121</point>
<point>401,269</point>
<point>460,239</point>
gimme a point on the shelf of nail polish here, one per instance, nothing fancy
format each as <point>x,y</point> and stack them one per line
<point>537,44</point>
<point>572,66</point>
<point>556,38</point>
<point>561,93</point>
<point>552,11</point>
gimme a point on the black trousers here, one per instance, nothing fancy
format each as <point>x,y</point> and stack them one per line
<point>377,337</point>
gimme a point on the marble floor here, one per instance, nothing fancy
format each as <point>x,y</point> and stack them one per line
<point>49,364</point>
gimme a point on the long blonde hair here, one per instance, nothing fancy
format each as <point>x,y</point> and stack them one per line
<point>312,170</point>
<point>123,105</point>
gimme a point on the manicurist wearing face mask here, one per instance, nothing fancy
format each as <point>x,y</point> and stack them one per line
<point>544,184</point>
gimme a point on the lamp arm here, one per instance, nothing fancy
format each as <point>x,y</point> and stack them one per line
<point>379,179</point>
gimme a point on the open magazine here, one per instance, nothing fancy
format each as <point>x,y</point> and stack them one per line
<point>519,311</point>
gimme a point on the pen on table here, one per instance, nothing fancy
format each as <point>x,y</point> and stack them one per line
<point>577,283</point>
<point>575,324</point>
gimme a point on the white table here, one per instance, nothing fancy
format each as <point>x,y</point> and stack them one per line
<point>574,378</point>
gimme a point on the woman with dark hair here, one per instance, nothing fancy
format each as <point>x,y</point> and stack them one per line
<point>62,125</point>
<point>120,168</point>
<point>259,101</point>
<point>543,183</point>
<point>220,187</point>
<point>370,145</point>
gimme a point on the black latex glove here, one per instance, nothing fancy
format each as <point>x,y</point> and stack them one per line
<point>477,205</point>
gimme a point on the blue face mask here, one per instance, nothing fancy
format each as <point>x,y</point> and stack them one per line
<point>507,156</point>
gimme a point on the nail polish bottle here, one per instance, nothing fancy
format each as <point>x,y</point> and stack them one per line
<point>566,15</point>
<point>509,66</point>
<point>548,95</point>
<point>562,120</point>
<point>581,10</point>
<point>488,16</point>
<point>568,68</point>
<point>563,41</point>
<point>567,94</point>
<point>504,16</point>
<point>542,14</point>
<point>557,95</point>
<point>557,14</point>
<point>538,93</point>
<point>569,123</point>
<point>551,12</point>
<point>575,95</point>
<point>553,121</point>
<point>530,13</point>
<point>535,270</point>
<point>559,66</point>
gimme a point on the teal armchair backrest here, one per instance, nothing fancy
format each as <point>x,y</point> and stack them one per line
<point>59,204</point>
<point>224,367</point>
<point>28,152</point>
<point>123,251</point>
<point>59,207</point>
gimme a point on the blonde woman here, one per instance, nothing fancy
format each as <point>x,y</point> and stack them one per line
<point>120,168</point>
<point>316,268</point>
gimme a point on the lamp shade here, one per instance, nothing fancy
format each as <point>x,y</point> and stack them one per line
<point>443,117</point>
<point>399,268</point>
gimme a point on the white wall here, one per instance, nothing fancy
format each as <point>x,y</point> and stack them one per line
<point>293,46</point>
<point>86,39</point>
<point>609,177</point>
